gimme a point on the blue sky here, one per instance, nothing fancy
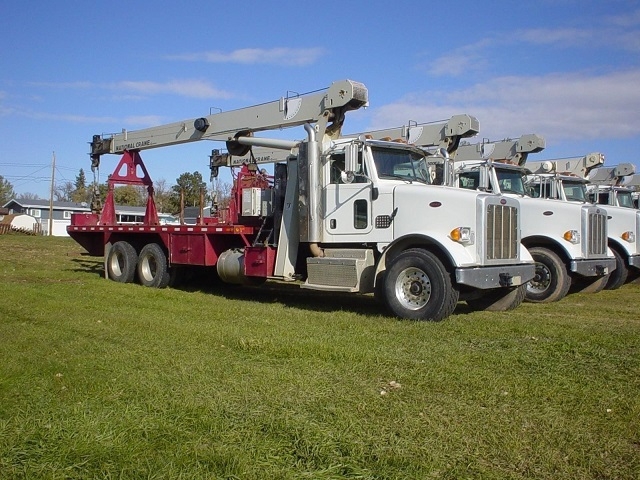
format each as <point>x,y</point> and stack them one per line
<point>565,69</point>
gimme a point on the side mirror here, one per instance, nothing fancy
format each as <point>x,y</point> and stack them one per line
<point>444,153</point>
<point>351,158</point>
<point>347,177</point>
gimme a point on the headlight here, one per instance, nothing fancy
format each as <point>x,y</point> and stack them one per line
<point>462,235</point>
<point>629,237</point>
<point>572,236</point>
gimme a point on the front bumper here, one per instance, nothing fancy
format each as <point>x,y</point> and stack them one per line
<point>634,260</point>
<point>593,268</point>
<point>496,277</point>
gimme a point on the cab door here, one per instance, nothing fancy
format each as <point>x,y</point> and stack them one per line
<point>347,206</point>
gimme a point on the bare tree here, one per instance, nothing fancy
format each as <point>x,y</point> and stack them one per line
<point>221,193</point>
<point>28,196</point>
<point>64,191</point>
<point>161,194</point>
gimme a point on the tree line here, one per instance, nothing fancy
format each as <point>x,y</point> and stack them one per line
<point>167,197</point>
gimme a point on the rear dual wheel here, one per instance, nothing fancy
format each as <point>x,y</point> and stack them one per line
<point>151,265</point>
<point>153,268</point>
<point>121,262</point>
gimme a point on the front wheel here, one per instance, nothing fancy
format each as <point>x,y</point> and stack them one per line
<point>589,284</point>
<point>418,287</point>
<point>153,268</point>
<point>499,299</point>
<point>620,275</point>
<point>551,281</point>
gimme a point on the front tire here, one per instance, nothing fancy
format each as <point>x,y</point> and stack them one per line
<point>153,268</point>
<point>418,287</point>
<point>121,262</point>
<point>589,284</point>
<point>620,275</point>
<point>551,282</point>
<point>499,299</point>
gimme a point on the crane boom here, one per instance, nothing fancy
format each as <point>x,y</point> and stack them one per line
<point>437,134</point>
<point>445,134</point>
<point>580,166</point>
<point>322,107</point>
<point>614,175</point>
<point>514,150</point>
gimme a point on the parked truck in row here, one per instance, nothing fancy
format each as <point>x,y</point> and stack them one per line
<point>584,180</point>
<point>340,214</point>
<point>568,242</point>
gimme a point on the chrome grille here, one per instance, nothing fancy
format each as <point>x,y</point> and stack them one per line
<point>597,234</point>
<point>502,232</point>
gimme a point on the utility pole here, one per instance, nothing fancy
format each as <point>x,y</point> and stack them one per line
<point>53,171</point>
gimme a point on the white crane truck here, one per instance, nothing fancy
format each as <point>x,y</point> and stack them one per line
<point>568,243</point>
<point>443,136</point>
<point>612,185</point>
<point>345,215</point>
<point>569,179</point>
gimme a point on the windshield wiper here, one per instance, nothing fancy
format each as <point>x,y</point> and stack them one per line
<point>393,175</point>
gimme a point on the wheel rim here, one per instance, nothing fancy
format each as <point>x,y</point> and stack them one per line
<point>413,288</point>
<point>117,264</point>
<point>148,268</point>
<point>542,279</point>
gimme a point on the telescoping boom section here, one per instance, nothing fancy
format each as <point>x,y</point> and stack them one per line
<point>324,108</point>
<point>338,213</point>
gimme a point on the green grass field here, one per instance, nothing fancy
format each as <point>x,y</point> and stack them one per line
<point>102,380</point>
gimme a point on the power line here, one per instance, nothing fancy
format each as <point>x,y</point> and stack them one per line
<point>30,165</point>
<point>33,165</point>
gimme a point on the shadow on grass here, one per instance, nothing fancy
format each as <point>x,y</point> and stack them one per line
<point>88,264</point>
<point>289,294</point>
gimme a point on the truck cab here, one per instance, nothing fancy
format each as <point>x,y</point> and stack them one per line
<point>567,241</point>
<point>623,222</point>
<point>378,199</point>
<point>611,195</point>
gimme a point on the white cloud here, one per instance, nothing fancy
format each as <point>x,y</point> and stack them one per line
<point>140,121</point>
<point>185,88</point>
<point>56,117</point>
<point>463,60</point>
<point>249,56</point>
<point>629,19</point>
<point>457,63</point>
<point>71,85</point>
<point>558,36</point>
<point>193,88</point>
<point>618,33</point>
<point>559,107</point>
<point>144,120</point>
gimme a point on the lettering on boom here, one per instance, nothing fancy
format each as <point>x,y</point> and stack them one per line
<point>133,146</point>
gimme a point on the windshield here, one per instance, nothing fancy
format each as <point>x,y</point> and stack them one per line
<point>401,163</point>
<point>574,192</point>
<point>510,181</point>
<point>470,180</point>
<point>625,199</point>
